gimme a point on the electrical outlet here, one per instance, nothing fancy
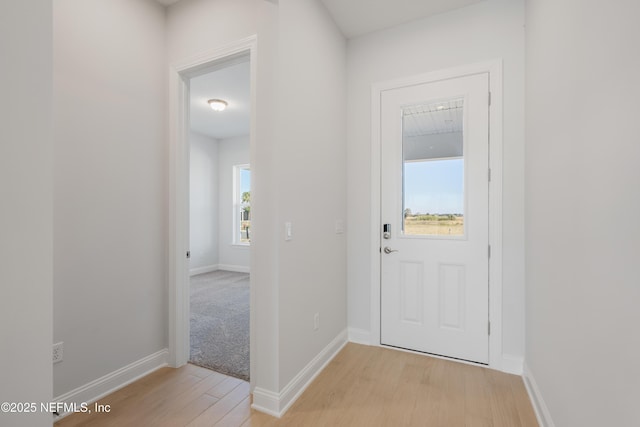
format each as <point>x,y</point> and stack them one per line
<point>316,321</point>
<point>57,352</point>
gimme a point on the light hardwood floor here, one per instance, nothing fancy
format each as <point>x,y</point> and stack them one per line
<point>362,386</point>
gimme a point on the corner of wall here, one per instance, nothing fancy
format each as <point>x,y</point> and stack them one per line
<point>360,336</point>
<point>277,404</point>
<point>542,411</point>
<point>512,364</point>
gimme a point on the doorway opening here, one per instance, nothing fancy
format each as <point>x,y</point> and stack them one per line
<point>181,75</point>
<point>220,218</point>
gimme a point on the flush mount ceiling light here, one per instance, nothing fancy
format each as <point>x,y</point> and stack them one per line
<point>217,104</point>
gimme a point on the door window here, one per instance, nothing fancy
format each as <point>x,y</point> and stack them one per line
<point>433,169</point>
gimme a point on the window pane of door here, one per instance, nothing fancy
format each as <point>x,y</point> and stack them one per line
<point>433,169</point>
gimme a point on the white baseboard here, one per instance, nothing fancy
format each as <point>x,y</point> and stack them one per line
<point>359,336</point>
<point>266,401</point>
<point>109,383</point>
<point>202,270</point>
<point>512,364</point>
<point>236,268</point>
<point>276,404</point>
<point>216,267</point>
<point>539,406</point>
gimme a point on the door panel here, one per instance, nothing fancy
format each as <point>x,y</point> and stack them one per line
<point>451,289</point>
<point>411,292</point>
<point>434,281</point>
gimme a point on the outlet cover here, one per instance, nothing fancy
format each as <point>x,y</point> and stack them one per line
<point>57,352</point>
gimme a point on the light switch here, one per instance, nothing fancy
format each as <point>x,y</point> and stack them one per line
<point>288,232</point>
<point>339,226</point>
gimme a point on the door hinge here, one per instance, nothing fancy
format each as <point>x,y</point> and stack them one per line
<point>489,328</point>
<point>489,251</point>
<point>489,98</point>
<point>489,174</point>
<point>188,254</point>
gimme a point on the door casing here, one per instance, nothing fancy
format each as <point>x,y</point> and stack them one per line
<point>178,296</point>
<point>494,68</point>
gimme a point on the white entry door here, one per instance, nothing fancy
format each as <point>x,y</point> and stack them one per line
<point>435,218</point>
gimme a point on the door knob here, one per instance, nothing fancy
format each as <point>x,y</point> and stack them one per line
<point>388,250</point>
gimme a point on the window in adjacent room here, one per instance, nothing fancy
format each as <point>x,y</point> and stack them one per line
<point>242,205</point>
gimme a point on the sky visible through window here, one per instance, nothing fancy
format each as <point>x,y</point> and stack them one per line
<point>245,180</point>
<point>434,186</point>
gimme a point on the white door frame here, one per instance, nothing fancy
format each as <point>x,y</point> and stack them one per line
<point>494,68</point>
<point>179,75</point>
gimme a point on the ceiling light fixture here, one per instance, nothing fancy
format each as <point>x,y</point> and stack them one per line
<point>217,104</point>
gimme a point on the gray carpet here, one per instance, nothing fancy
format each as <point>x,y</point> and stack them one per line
<point>220,322</point>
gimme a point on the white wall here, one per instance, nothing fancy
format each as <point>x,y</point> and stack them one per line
<point>298,169</point>
<point>197,26</point>
<point>211,202</point>
<point>489,30</point>
<point>233,151</point>
<point>109,186</point>
<point>311,177</point>
<point>582,206</point>
<point>203,202</point>
<point>26,191</point>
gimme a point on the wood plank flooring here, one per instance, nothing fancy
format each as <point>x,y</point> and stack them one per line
<point>362,386</point>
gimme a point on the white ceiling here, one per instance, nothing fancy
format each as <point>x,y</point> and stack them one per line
<point>358,17</point>
<point>231,84</point>
<point>354,17</point>
<point>167,2</point>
